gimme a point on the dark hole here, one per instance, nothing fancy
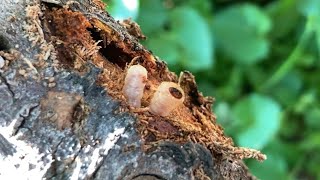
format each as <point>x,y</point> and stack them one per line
<point>175,92</point>
<point>4,43</point>
<point>52,5</point>
<point>64,56</point>
<point>110,51</point>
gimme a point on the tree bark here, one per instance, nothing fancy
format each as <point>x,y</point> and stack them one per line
<point>62,112</point>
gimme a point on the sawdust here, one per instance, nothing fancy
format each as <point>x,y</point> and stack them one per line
<point>8,57</point>
<point>99,4</point>
<point>199,173</point>
<point>133,28</point>
<point>35,34</point>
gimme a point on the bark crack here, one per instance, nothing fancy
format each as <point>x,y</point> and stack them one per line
<point>4,80</point>
<point>23,118</point>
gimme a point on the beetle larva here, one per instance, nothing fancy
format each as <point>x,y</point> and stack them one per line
<point>168,96</point>
<point>134,84</point>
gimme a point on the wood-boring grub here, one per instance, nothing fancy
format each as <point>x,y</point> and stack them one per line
<point>81,56</point>
<point>134,84</point>
<point>168,96</point>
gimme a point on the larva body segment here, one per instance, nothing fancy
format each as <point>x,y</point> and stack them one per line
<point>168,96</point>
<point>134,84</point>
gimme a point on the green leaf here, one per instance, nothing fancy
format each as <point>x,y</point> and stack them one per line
<point>207,87</point>
<point>234,81</point>
<point>311,141</point>
<point>193,38</point>
<point>240,32</point>
<point>309,7</point>
<point>283,12</point>
<point>165,47</point>
<point>305,101</point>
<point>313,165</point>
<point>312,117</point>
<point>274,167</point>
<point>152,16</point>
<point>277,153</point>
<point>259,120</point>
<point>204,7</point>
<point>222,110</point>
<point>288,90</point>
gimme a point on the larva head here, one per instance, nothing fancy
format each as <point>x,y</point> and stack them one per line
<point>168,96</point>
<point>175,92</point>
<point>134,84</point>
<point>137,71</point>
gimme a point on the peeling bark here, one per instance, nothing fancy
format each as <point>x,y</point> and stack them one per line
<point>63,114</point>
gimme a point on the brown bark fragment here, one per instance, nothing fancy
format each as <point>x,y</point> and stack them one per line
<point>61,107</point>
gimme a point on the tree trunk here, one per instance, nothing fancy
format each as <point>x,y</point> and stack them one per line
<point>63,114</point>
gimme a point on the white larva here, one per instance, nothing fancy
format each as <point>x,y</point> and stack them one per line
<point>134,84</point>
<point>168,96</point>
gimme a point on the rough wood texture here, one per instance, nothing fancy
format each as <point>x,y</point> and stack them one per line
<point>63,115</point>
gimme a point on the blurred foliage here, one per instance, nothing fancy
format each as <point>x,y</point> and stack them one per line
<point>260,60</point>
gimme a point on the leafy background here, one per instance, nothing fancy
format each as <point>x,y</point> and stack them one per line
<point>259,59</point>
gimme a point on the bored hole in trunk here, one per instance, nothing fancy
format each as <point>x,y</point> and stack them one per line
<point>110,51</point>
<point>4,43</point>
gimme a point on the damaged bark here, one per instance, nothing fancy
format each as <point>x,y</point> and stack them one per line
<point>63,114</point>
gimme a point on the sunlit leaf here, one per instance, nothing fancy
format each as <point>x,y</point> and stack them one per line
<point>193,37</point>
<point>165,47</point>
<point>263,114</point>
<point>222,110</point>
<point>240,32</point>
<point>273,168</point>
<point>152,16</point>
<point>276,162</point>
<point>305,101</point>
<point>309,7</point>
